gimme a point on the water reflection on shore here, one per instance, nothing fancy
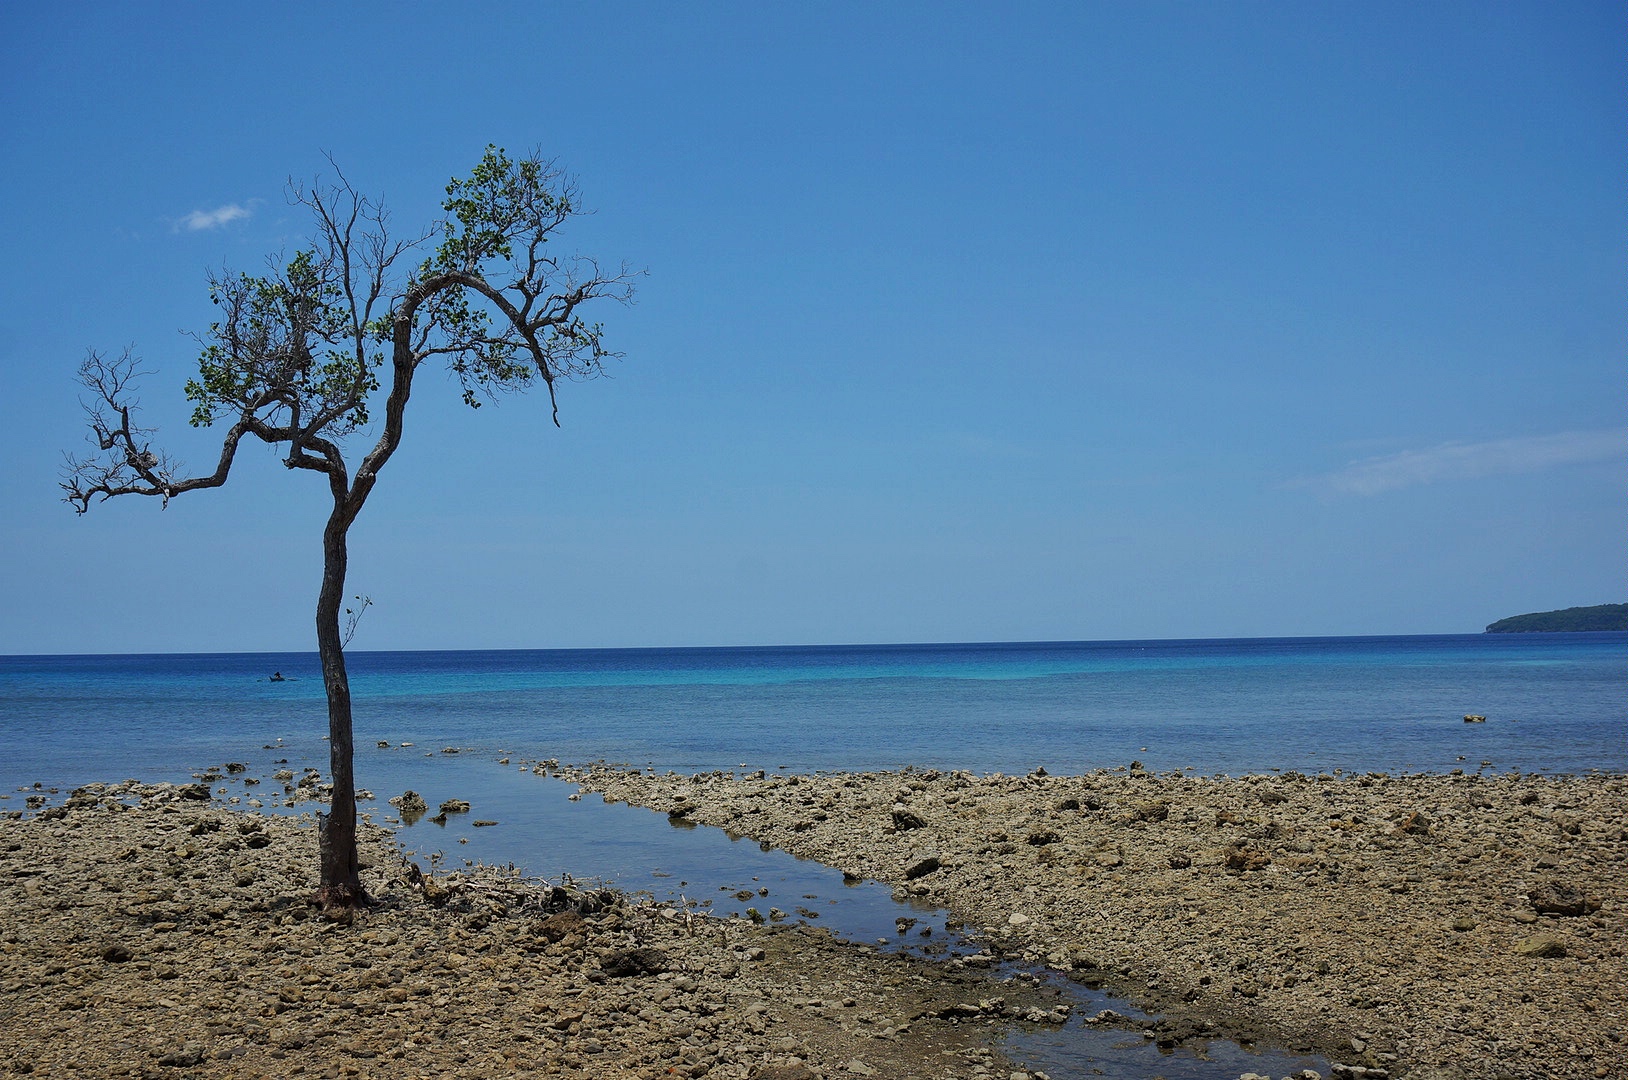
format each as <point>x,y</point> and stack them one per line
<point>546,828</point>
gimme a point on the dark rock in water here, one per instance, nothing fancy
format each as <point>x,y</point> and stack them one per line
<point>922,867</point>
<point>412,806</point>
<point>1560,898</point>
<point>1474,718</point>
<point>681,811</point>
<point>627,962</point>
<point>195,792</point>
<point>482,824</point>
<point>455,806</point>
<point>410,800</point>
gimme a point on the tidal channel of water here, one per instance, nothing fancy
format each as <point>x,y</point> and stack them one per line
<point>547,828</point>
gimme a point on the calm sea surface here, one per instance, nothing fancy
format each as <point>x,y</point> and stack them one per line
<point>1553,702</point>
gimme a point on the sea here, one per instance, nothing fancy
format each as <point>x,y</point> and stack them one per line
<point>1554,703</point>
<point>473,724</point>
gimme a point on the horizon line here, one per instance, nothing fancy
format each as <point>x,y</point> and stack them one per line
<point>1028,643</point>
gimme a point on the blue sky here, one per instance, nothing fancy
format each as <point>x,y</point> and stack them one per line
<point>962,322</point>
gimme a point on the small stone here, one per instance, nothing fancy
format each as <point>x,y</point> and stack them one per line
<point>1415,824</point>
<point>922,867</point>
<point>410,802</point>
<point>642,961</point>
<point>1561,898</point>
<point>556,927</point>
<point>1157,810</point>
<point>1542,945</point>
<point>905,819</point>
<point>784,1072</point>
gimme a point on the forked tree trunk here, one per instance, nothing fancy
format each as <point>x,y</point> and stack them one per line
<point>341,884</point>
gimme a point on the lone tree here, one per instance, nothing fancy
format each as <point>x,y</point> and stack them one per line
<point>300,357</point>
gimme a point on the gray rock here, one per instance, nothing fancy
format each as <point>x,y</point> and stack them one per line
<point>410,802</point>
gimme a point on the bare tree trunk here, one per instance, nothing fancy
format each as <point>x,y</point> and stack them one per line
<point>341,882</point>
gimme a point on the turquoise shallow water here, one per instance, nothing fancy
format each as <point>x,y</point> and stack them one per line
<point>1554,702</point>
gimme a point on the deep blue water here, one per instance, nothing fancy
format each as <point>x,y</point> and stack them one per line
<point>1554,703</point>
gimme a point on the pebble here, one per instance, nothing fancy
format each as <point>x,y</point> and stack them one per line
<point>153,941</point>
<point>1382,908</point>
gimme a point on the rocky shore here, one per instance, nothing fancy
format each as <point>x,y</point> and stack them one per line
<point>1431,927</point>
<point>147,931</point>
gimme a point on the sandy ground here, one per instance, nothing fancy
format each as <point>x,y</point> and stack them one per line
<point>173,938</point>
<point>1417,926</point>
<point>1426,927</point>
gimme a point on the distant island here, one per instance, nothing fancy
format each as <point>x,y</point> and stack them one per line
<point>1569,620</point>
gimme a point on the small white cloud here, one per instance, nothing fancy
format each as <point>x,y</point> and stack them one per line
<point>1464,461</point>
<point>199,220</point>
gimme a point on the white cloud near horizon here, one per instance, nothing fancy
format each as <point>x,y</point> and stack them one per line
<point>199,220</point>
<point>1466,461</point>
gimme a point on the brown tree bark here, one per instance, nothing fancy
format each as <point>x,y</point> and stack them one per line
<point>341,882</point>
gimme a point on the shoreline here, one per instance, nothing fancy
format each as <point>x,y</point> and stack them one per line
<point>174,937</point>
<point>1379,921</point>
<point>1403,925</point>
